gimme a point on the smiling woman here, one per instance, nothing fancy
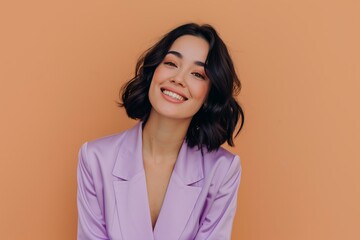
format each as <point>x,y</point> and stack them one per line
<point>168,177</point>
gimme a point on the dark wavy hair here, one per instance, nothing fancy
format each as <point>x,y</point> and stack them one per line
<point>216,120</point>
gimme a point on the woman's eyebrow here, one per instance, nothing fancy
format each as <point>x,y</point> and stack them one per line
<point>179,55</point>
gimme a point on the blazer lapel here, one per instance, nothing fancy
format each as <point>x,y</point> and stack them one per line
<point>130,190</point>
<point>180,196</point>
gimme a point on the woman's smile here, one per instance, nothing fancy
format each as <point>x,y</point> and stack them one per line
<point>173,96</point>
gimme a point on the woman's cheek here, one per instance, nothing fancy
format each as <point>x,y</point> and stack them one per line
<point>201,90</point>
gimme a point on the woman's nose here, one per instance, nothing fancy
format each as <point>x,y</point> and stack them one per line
<point>179,78</point>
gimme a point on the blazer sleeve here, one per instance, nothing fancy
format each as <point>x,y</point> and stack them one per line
<point>91,222</point>
<point>218,221</point>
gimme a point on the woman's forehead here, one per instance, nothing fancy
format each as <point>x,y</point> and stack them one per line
<point>191,47</point>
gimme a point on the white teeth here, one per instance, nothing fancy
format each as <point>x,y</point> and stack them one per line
<point>173,95</point>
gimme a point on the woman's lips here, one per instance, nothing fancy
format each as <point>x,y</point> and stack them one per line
<point>173,94</point>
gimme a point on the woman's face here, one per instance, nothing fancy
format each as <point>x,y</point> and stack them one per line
<point>179,85</point>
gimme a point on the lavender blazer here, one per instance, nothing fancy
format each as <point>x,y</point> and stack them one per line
<point>112,199</point>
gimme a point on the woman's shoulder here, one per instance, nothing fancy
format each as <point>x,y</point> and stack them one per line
<point>221,160</point>
<point>106,148</point>
<point>106,142</point>
<point>111,141</point>
<point>221,154</point>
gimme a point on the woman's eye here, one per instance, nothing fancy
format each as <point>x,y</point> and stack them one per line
<point>170,64</point>
<point>199,75</point>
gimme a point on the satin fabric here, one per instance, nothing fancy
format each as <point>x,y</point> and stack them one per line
<point>200,200</point>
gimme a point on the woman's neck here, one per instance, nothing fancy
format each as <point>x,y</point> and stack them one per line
<point>162,138</point>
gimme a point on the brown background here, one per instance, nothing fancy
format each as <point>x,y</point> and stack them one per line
<point>61,66</point>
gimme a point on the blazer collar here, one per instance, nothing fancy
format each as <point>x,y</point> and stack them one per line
<point>129,162</point>
<point>131,192</point>
<point>129,159</point>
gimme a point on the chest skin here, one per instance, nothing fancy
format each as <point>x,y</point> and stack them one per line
<point>157,181</point>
